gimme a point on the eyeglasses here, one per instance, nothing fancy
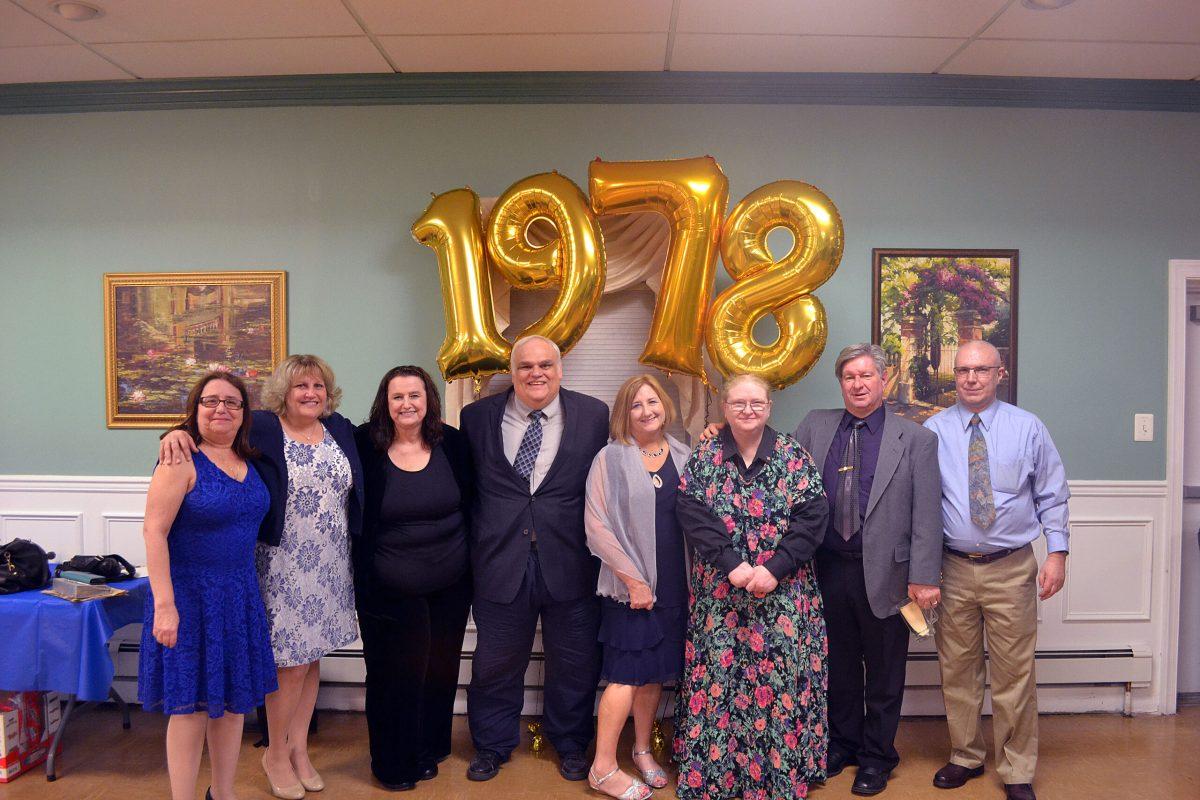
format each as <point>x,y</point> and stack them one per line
<point>213,402</point>
<point>972,372</point>
<point>756,406</point>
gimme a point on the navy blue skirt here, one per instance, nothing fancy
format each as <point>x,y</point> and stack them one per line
<point>641,647</point>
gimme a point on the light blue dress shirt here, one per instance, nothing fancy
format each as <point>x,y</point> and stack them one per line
<point>1029,483</point>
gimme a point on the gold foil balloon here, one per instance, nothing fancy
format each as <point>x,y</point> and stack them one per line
<point>781,287</point>
<point>572,259</point>
<point>472,347</point>
<point>691,193</point>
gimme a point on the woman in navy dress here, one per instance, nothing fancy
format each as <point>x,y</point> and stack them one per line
<point>206,650</point>
<point>631,528</point>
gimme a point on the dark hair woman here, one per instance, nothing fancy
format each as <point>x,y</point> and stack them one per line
<point>206,649</point>
<point>412,581</point>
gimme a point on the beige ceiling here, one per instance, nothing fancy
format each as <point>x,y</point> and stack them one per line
<point>148,39</point>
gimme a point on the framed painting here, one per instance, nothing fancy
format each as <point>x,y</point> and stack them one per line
<point>928,302</point>
<point>162,330</point>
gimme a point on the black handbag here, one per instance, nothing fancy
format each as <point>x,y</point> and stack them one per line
<point>110,567</point>
<point>23,566</point>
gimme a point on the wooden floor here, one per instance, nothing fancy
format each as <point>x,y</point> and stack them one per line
<point>1082,756</point>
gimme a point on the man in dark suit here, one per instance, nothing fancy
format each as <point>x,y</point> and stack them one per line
<point>532,449</point>
<point>882,547</point>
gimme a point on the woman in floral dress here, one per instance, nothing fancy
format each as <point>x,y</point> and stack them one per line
<point>750,718</point>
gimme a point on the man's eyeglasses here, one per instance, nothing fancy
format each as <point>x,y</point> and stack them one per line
<point>756,406</point>
<point>972,372</point>
<point>213,402</point>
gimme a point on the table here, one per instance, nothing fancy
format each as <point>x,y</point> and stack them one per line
<point>53,645</point>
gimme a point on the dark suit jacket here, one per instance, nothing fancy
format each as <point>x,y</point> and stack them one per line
<point>374,463</point>
<point>266,436</point>
<point>902,528</point>
<point>505,513</point>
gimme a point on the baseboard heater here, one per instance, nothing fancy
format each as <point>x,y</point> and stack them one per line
<point>1120,666</point>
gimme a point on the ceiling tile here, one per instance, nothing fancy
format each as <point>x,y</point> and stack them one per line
<point>55,63</point>
<point>519,52</point>
<point>953,18</point>
<point>532,16</point>
<point>20,28</point>
<point>334,55</point>
<point>757,53</point>
<point>1077,60</point>
<point>188,20</point>
<point>1103,20</point>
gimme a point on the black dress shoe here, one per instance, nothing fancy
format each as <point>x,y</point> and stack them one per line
<point>428,772</point>
<point>836,762</point>
<point>484,766</point>
<point>1019,791</point>
<point>953,776</point>
<point>869,781</point>
<point>573,766</point>
<point>208,794</point>
<point>402,786</point>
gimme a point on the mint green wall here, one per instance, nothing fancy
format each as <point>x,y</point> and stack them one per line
<point>1097,202</point>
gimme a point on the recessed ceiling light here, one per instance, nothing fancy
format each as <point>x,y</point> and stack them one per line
<point>76,11</point>
<point>1046,5</point>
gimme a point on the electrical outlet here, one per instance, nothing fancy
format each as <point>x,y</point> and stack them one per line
<point>1143,427</point>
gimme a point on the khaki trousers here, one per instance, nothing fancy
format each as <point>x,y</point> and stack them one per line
<point>1001,599</point>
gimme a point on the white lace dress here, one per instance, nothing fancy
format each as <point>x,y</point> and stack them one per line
<point>306,582</point>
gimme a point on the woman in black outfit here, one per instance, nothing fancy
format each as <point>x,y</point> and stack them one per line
<point>412,580</point>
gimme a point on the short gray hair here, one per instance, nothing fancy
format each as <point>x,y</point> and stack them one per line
<point>745,377</point>
<point>858,351</point>
<point>524,340</point>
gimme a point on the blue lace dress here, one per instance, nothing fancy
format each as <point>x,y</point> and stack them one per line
<point>222,660</point>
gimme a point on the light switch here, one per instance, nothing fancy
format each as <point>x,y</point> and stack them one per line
<point>1143,427</point>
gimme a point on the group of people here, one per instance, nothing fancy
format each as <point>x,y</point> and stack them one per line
<point>762,573</point>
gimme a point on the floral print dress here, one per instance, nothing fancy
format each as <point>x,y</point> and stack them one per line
<point>750,717</point>
<point>306,581</point>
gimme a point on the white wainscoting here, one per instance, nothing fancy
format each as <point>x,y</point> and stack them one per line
<point>1116,597</point>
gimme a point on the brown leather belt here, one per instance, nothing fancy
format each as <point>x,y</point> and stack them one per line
<point>982,558</point>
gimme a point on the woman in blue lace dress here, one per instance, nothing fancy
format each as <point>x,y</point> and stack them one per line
<point>206,651</point>
<point>309,462</point>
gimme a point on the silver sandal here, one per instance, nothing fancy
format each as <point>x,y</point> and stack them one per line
<point>656,777</point>
<point>634,792</point>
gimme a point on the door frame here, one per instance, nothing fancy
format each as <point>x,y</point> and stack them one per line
<point>1181,274</point>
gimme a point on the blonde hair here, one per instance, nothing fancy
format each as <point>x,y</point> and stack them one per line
<point>619,427</point>
<point>744,378</point>
<point>276,388</point>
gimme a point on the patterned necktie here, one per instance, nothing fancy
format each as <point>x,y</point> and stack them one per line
<point>531,444</point>
<point>983,505</point>
<point>848,484</point>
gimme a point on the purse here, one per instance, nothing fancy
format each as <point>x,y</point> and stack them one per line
<point>110,567</point>
<point>23,566</point>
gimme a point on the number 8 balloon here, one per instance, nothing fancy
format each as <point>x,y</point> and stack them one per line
<point>781,287</point>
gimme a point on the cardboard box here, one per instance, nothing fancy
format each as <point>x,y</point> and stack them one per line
<point>28,721</point>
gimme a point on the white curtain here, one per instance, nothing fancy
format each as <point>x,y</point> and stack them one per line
<point>635,248</point>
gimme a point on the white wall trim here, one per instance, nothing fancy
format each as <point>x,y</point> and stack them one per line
<point>1179,274</point>
<point>1145,600</point>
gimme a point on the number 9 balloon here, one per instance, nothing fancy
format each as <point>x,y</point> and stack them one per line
<point>781,287</point>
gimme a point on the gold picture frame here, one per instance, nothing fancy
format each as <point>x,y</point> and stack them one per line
<point>162,330</point>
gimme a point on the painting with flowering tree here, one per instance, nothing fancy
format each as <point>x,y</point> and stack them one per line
<point>927,303</point>
<point>163,330</point>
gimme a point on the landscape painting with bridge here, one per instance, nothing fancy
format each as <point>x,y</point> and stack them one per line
<point>926,304</point>
<point>164,330</point>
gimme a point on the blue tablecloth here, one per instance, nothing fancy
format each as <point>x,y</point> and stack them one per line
<point>51,644</point>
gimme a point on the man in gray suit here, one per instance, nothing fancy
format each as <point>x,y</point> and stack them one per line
<point>882,547</point>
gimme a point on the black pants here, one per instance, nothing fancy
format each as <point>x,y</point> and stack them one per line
<point>412,648</point>
<point>504,644</point>
<point>867,658</point>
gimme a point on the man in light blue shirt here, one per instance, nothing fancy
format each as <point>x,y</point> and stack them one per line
<point>1003,485</point>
